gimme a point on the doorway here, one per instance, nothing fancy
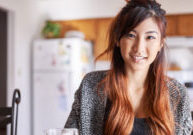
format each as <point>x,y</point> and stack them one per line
<point>3,60</point>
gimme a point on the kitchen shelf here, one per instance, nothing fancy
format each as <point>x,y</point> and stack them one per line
<point>181,75</point>
<point>179,41</point>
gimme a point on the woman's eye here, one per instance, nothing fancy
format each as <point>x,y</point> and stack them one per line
<point>130,35</point>
<point>150,37</point>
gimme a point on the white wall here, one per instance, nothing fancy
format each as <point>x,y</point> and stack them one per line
<point>177,6</point>
<point>27,17</point>
<point>75,9</point>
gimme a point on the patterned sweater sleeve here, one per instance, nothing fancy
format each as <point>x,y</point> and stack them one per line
<point>183,113</point>
<point>74,117</point>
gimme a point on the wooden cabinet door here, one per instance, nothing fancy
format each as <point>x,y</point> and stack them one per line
<point>185,25</point>
<point>171,25</point>
<point>101,41</point>
<point>87,26</point>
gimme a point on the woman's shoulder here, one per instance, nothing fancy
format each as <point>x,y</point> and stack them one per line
<point>175,87</point>
<point>181,106</point>
<point>178,92</point>
<point>95,76</point>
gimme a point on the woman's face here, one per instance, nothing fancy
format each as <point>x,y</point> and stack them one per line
<point>140,46</point>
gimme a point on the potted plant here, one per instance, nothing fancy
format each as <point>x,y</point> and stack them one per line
<point>51,30</point>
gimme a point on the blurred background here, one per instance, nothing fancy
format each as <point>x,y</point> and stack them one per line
<point>47,46</point>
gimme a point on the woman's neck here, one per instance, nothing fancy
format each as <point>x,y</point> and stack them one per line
<point>136,89</point>
<point>137,79</point>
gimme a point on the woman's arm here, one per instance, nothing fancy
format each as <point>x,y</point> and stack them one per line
<point>74,117</point>
<point>183,113</point>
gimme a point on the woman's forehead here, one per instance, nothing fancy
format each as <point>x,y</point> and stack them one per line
<point>148,25</point>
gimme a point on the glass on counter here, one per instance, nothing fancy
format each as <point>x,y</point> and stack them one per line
<point>65,131</point>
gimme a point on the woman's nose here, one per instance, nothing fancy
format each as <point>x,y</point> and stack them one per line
<point>139,46</point>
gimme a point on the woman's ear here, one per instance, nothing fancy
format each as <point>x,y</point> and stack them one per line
<point>162,43</point>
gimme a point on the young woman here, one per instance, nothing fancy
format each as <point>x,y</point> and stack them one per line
<point>135,96</point>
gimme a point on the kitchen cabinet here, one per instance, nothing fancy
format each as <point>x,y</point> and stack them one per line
<point>87,26</point>
<point>171,25</point>
<point>185,25</point>
<point>180,25</point>
<point>101,42</point>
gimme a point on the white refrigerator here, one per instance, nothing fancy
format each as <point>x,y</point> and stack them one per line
<point>58,68</point>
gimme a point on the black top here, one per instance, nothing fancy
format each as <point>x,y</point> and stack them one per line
<point>140,126</point>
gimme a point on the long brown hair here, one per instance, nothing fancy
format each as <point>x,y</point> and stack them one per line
<point>121,116</point>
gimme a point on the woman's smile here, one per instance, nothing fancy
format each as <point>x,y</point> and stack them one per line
<point>138,59</point>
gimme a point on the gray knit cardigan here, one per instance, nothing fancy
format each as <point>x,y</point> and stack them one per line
<point>88,109</point>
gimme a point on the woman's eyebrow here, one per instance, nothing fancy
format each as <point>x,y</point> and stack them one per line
<point>133,31</point>
<point>149,32</point>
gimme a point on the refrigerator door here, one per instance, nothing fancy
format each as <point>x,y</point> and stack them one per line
<point>60,54</point>
<point>50,55</point>
<point>52,100</point>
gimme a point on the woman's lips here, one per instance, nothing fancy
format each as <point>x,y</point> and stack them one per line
<point>138,58</point>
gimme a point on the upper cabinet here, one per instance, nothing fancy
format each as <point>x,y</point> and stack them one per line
<point>101,41</point>
<point>180,25</point>
<point>185,25</point>
<point>171,25</point>
<point>87,26</point>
